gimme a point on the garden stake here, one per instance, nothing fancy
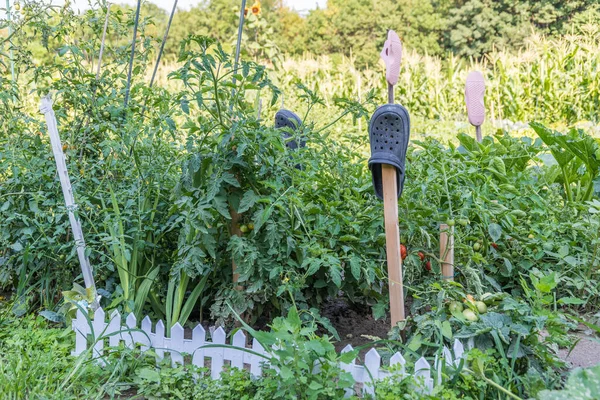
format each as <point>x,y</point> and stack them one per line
<point>65,183</point>
<point>162,45</point>
<point>389,131</point>
<point>238,46</point>
<point>10,31</point>
<point>447,251</point>
<point>103,40</point>
<point>135,26</point>
<point>474,94</point>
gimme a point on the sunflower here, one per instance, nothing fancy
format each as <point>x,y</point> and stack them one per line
<point>246,12</point>
<point>256,7</point>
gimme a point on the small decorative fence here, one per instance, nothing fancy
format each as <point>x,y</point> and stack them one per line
<point>96,332</point>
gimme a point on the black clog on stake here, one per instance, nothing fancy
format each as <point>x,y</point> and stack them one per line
<point>389,132</point>
<point>389,129</point>
<point>287,119</point>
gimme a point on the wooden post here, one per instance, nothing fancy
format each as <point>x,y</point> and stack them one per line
<point>65,182</point>
<point>392,243</point>
<point>447,251</point>
<point>235,230</point>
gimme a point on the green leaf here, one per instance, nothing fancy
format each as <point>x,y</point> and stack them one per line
<point>248,200</point>
<point>316,346</point>
<point>229,178</point>
<point>571,301</point>
<point>313,265</point>
<point>52,316</point>
<point>447,330</point>
<point>415,343</point>
<point>355,267</point>
<point>495,231</point>
<point>335,274</point>
<point>547,283</point>
<point>149,374</point>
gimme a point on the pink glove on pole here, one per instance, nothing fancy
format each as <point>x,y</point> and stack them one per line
<point>392,56</point>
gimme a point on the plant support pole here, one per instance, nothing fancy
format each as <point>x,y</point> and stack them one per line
<point>102,43</point>
<point>65,182</point>
<point>164,41</point>
<point>392,236</point>
<point>135,26</point>
<point>238,47</point>
<point>447,251</point>
<point>10,31</point>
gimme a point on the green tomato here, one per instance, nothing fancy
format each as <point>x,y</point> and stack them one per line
<point>451,222</point>
<point>470,315</point>
<point>477,247</point>
<point>463,222</point>
<point>244,229</point>
<point>455,306</point>
<point>481,307</point>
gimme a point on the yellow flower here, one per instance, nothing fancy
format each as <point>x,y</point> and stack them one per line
<point>256,7</point>
<point>246,12</point>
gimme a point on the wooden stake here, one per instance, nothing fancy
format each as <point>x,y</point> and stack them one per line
<point>235,230</point>
<point>447,251</point>
<point>71,206</point>
<point>392,243</point>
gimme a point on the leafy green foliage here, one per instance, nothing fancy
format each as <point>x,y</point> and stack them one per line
<point>296,351</point>
<point>583,384</point>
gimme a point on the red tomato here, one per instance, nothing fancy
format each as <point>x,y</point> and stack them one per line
<point>428,265</point>
<point>422,256</point>
<point>495,246</point>
<point>403,251</point>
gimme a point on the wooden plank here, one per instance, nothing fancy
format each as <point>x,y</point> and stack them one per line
<point>114,325</point>
<point>372,364</point>
<point>255,364</point>
<point>128,336</point>
<point>100,326</point>
<point>61,166</point>
<point>176,344</point>
<point>147,328</point>
<point>198,340</point>
<point>81,328</point>
<point>392,236</point>
<point>237,355</point>
<point>447,251</point>
<point>159,340</point>
<point>65,183</point>
<point>349,367</point>
<point>216,364</point>
<point>397,358</point>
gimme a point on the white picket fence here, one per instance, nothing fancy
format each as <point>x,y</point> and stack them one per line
<point>237,353</point>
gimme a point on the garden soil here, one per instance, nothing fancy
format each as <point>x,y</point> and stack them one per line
<point>357,327</point>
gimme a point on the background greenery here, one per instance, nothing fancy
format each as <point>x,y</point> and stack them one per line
<point>158,184</point>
